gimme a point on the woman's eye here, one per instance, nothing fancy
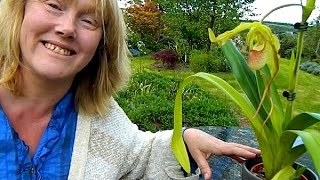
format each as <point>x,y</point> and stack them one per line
<point>54,6</point>
<point>90,22</point>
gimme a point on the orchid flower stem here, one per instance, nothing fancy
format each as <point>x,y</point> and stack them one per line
<point>280,7</point>
<point>293,83</point>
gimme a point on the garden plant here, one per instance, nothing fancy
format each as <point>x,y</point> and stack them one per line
<point>274,124</point>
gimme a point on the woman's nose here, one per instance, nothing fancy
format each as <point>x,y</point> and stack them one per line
<point>66,27</point>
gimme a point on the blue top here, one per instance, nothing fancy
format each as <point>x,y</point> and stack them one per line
<point>52,157</point>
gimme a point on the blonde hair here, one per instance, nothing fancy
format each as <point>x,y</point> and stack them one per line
<point>106,73</point>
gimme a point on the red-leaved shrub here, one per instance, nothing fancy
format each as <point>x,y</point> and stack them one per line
<point>168,57</point>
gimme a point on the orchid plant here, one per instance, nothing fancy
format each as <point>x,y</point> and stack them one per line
<point>274,125</point>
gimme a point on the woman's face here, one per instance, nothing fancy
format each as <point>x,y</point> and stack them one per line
<point>58,38</point>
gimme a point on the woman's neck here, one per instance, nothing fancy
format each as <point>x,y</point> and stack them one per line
<point>29,113</point>
<point>36,100</point>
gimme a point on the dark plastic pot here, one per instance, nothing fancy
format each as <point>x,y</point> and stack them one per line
<point>246,174</point>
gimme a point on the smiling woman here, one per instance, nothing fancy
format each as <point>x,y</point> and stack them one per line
<point>60,62</point>
<point>45,44</point>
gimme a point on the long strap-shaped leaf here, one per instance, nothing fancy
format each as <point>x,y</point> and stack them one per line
<point>300,122</point>
<point>242,73</point>
<point>299,125</point>
<point>311,140</point>
<point>177,144</point>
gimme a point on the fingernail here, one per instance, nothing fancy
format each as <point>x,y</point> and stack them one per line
<point>206,176</point>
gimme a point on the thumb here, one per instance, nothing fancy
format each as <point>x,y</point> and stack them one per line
<point>204,168</point>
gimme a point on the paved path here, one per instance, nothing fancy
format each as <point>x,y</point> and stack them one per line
<point>224,168</point>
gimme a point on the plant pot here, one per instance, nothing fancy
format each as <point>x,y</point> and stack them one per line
<point>256,164</point>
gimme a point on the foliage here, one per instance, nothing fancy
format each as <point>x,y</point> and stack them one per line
<point>144,19</point>
<point>168,57</point>
<point>316,71</point>
<point>198,61</point>
<point>316,60</point>
<point>310,67</point>
<point>288,44</point>
<point>148,101</point>
<point>307,88</point>
<point>313,39</point>
<point>274,126</point>
<point>189,20</point>
<point>133,38</point>
<point>213,61</point>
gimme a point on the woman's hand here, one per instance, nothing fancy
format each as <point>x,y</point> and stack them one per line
<point>202,145</point>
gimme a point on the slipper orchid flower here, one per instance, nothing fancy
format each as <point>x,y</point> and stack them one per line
<point>263,44</point>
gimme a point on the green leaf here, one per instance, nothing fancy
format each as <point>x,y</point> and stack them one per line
<point>285,173</point>
<point>241,100</point>
<point>293,154</point>
<point>299,122</point>
<point>277,111</point>
<point>263,134</point>
<point>311,140</point>
<point>303,121</point>
<point>242,73</point>
<point>177,144</point>
<point>307,10</point>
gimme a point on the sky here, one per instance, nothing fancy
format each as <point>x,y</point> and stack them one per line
<point>288,14</point>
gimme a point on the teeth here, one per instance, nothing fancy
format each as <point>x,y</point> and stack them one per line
<point>57,49</point>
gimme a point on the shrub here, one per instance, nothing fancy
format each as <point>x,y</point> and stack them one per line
<point>288,43</point>
<point>168,57</point>
<point>217,61</point>
<point>316,71</point>
<point>149,99</point>
<point>198,61</point>
<point>310,67</point>
<point>201,61</point>
<point>317,60</point>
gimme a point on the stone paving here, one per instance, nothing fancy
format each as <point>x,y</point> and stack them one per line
<point>224,168</point>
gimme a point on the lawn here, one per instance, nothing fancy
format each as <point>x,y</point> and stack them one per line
<point>308,88</point>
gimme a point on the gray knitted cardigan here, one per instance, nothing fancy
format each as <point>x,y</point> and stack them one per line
<point>111,147</point>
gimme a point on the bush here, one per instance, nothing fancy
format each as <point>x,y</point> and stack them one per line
<point>317,60</point>
<point>201,61</point>
<point>198,61</point>
<point>149,102</point>
<point>217,61</point>
<point>316,71</point>
<point>310,67</point>
<point>168,57</point>
<point>288,44</point>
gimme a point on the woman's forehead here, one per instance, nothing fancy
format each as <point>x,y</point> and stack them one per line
<point>91,5</point>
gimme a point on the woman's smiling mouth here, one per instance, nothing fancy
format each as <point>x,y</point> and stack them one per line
<point>57,49</point>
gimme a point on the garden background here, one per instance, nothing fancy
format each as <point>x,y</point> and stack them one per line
<point>168,41</point>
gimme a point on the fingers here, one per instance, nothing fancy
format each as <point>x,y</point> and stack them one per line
<point>240,152</point>
<point>204,167</point>
<point>248,148</point>
<point>239,159</point>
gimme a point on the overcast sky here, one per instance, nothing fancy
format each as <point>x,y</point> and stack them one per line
<point>288,14</point>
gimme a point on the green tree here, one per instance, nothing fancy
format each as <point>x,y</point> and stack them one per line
<point>312,38</point>
<point>190,19</point>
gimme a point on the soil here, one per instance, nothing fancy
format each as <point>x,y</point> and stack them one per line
<point>258,170</point>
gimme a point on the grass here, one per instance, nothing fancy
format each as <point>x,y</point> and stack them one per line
<point>308,87</point>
